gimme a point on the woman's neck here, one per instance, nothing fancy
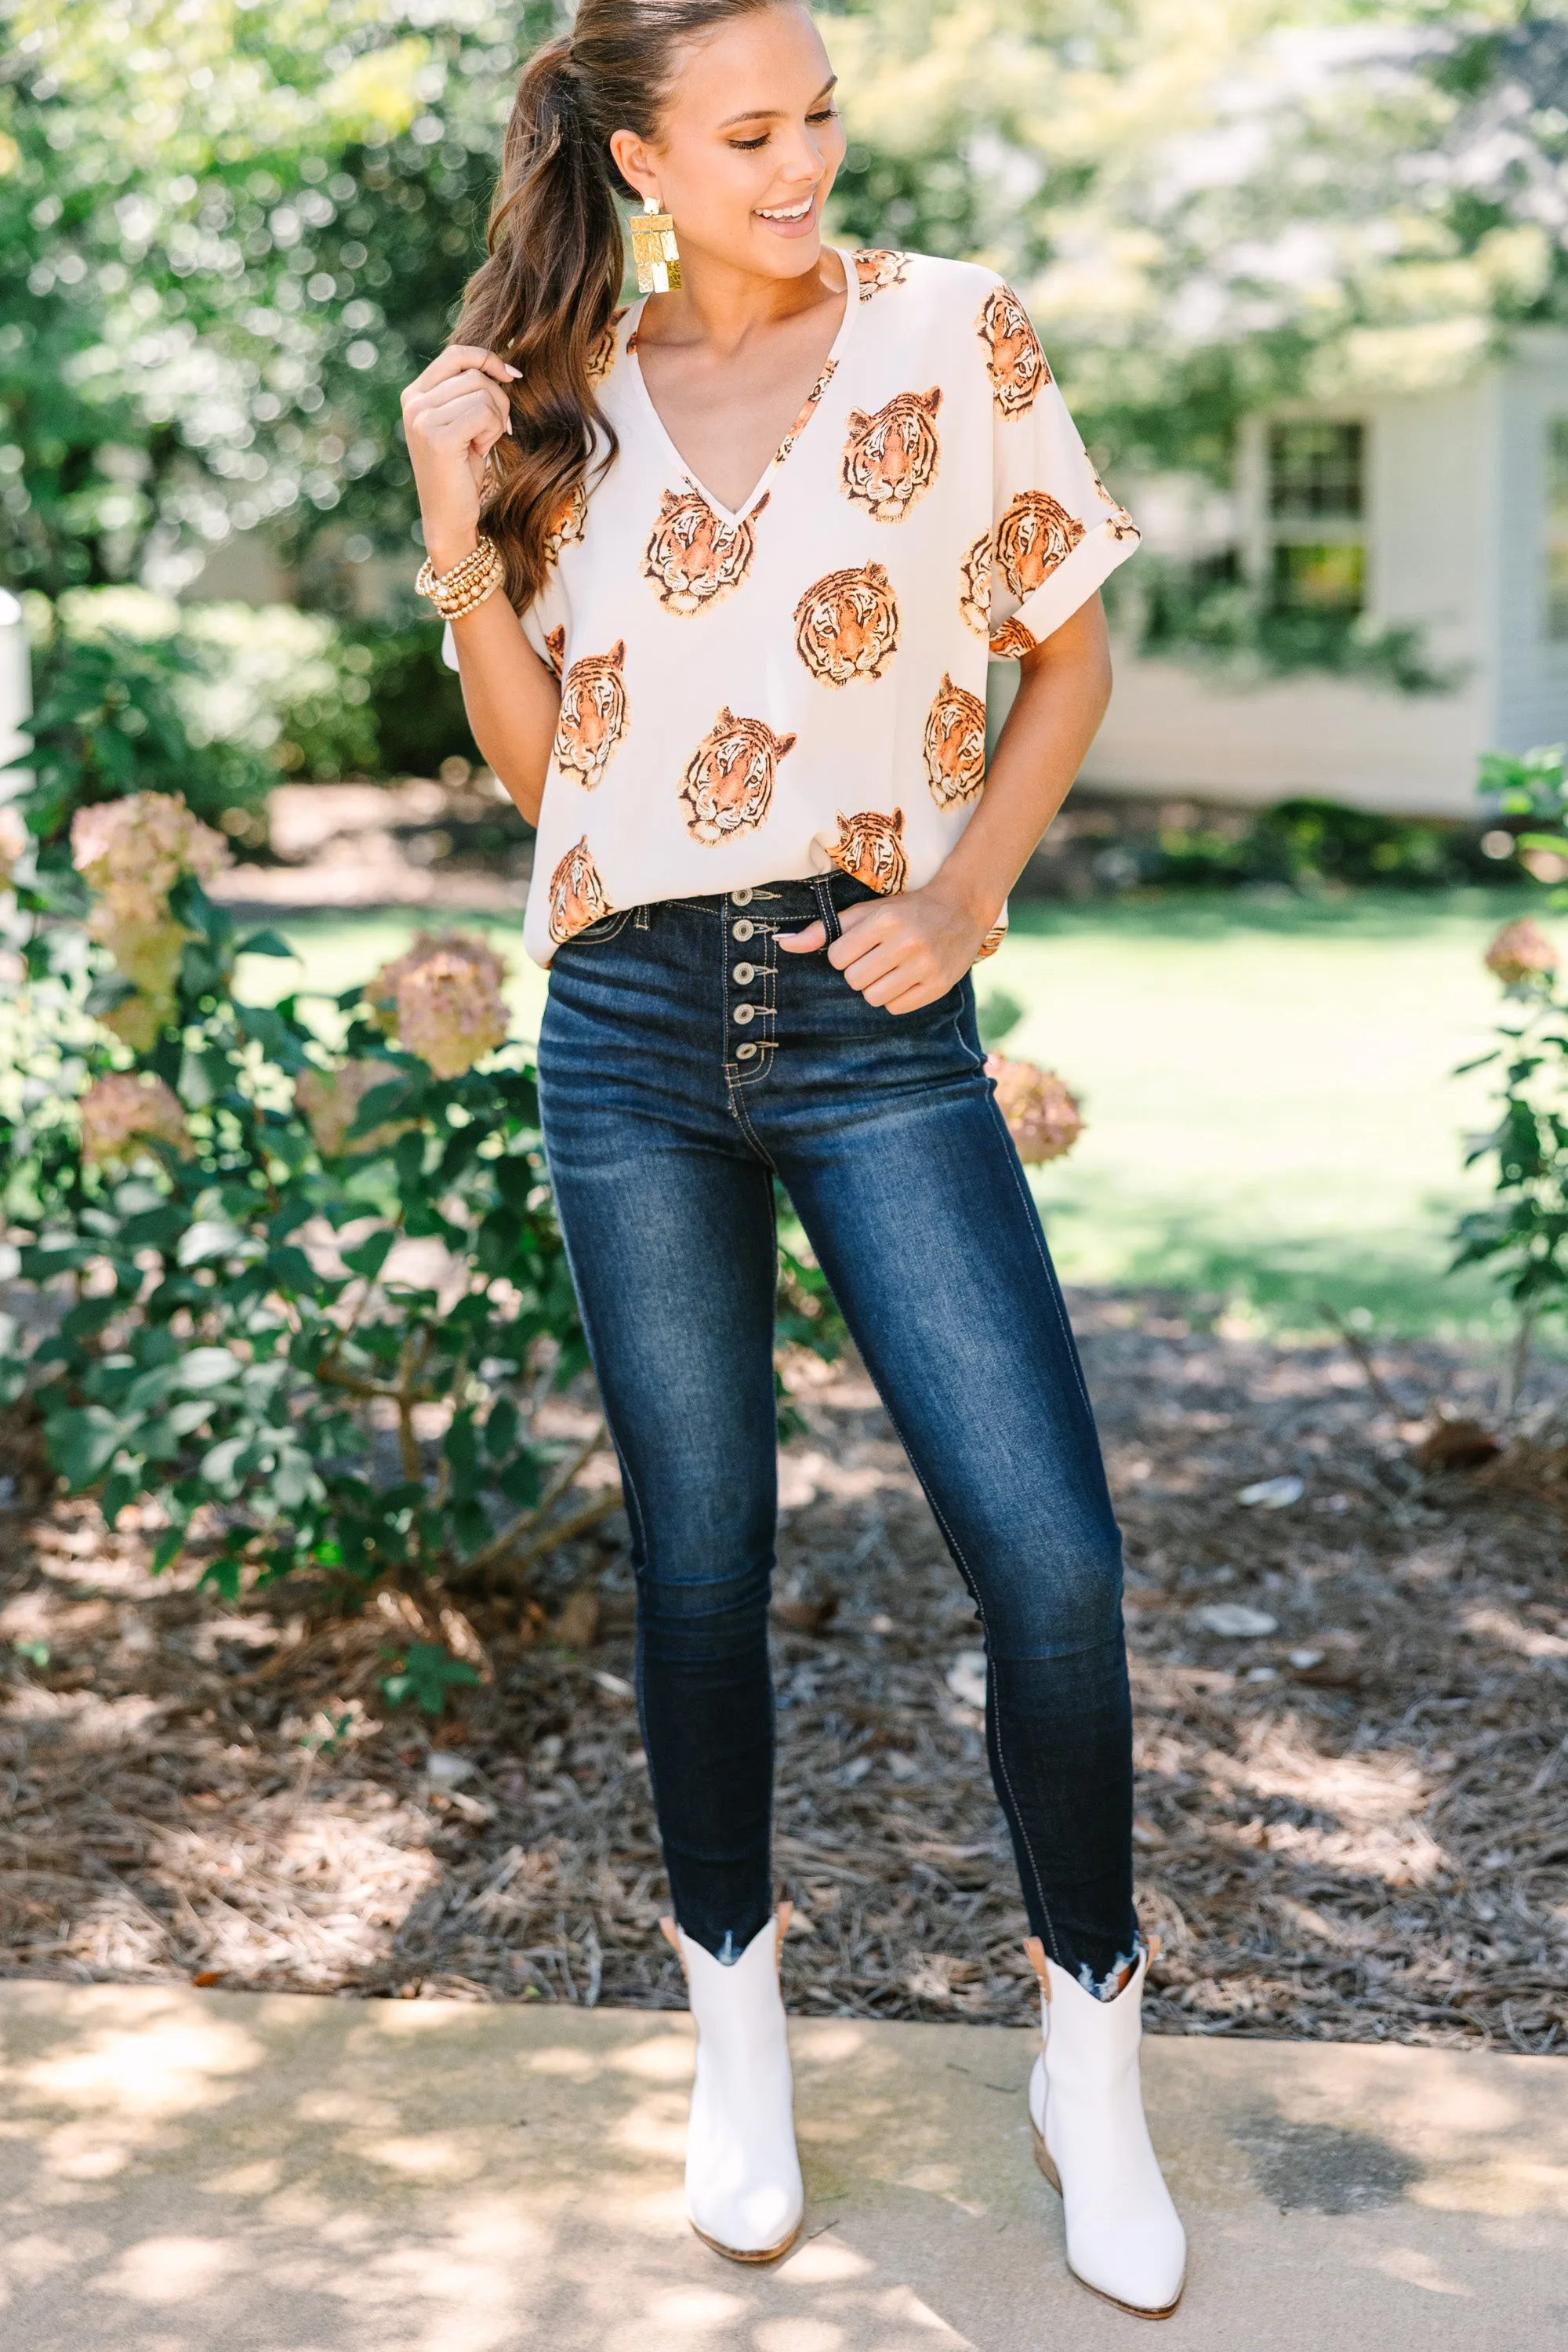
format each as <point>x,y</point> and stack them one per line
<point>723,308</point>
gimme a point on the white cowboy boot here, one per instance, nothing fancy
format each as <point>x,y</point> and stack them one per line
<point>743,2190</point>
<point>1086,2105</point>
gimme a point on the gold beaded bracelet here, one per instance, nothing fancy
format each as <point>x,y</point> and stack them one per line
<point>468,585</point>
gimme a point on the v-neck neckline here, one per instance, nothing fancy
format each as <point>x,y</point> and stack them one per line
<point>735,516</point>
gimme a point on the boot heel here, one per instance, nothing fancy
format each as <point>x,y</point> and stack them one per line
<point>1042,2158</point>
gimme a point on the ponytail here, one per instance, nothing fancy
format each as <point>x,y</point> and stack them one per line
<point>548,289</point>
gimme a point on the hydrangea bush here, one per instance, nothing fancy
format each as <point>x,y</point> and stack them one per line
<point>1523,1233</point>
<point>290,1275</point>
<point>308,1289</point>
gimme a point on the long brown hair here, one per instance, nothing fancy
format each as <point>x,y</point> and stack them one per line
<point>556,254</point>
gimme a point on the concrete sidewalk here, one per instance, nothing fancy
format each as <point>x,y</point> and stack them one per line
<point>186,2171</point>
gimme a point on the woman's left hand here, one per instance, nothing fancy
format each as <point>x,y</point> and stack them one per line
<point>899,952</point>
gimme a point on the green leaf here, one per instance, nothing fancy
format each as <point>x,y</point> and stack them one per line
<point>208,1367</point>
<point>520,1481</point>
<point>225,1574</point>
<point>117,1492</point>
<point>429,1674</point>
<point>167,1549</point>
<point>218,1464</point>
<point>382,1103</point>
<point>214,1237</point>
<point>88,1316</point>
<point>501,1428</point>
<point>266,943</point>
<point>154,1228</point>
<point>368,1257</point>
<point>40,1262</point>
<point>82,1444</point>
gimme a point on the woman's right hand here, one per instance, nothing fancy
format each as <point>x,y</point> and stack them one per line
<point>453,415</point>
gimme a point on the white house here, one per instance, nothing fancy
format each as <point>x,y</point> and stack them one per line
<point>1443,511</point>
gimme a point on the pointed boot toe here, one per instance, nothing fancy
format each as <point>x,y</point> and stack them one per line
<point>1125,2240</point>
<point>744,2196</point>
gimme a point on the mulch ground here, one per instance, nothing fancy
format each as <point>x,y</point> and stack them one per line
<point>1352,1825</point>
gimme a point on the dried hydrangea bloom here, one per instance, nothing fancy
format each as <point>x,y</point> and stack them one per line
<point>449,1009</point>
<point>138,1021</point>
<point>132,852</point>
<point>13,842</point>
<point>122,1110</point>
<point>330,1099</point>
<point>1522,955</point>
<point>1042,1113</point>
<point>148,954</point>
<point>381,994</point>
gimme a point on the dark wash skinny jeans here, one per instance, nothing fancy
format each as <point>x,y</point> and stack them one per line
<point>684,1060</point>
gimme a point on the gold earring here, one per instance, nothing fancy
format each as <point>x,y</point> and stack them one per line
<point>655,250</point>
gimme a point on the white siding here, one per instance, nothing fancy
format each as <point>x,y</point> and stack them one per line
<point>1533,670</point>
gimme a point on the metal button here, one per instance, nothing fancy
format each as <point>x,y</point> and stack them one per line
<point>746,1053</point>
<point>743,1015</point>
<point>740,898</point>
<point>744,975</point>
<point>742,931</point>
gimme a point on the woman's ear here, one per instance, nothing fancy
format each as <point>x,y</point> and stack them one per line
<point>632,160</point>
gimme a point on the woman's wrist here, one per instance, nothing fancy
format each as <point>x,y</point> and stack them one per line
<point>974,894</point>
<point>448,549</point>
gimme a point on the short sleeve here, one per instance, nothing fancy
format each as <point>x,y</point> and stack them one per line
<point>1059,533</point>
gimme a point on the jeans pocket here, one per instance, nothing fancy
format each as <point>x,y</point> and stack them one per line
<point>608,927</point>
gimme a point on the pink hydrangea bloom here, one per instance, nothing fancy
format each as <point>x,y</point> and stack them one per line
<point>1042,1113</point>
<point>121,1108</point>
<point>449,1011</point>
<point>1521,954</point>
<point>13,842</point>
<point>442,1000</point>
<point>330,1101</point>
<point>381,992</point>
<point>132,852</point>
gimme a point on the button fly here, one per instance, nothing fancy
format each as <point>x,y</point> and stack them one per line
<point>746,1053</point>
<point>740,898</point>
<point>744,975</point>
<point>743,1015</point>
<point>742,932</point>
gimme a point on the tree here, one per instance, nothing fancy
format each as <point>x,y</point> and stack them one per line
<point>1212,208</point>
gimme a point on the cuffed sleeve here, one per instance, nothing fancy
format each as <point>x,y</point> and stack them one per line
<point>1058,532</point>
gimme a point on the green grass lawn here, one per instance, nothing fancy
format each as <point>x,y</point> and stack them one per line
<point>1272,1117</point>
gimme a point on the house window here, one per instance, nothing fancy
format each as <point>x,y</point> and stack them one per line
<point>1557,529</point>
<point>1316,496</point>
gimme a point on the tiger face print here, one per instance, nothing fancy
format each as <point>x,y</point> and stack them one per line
<point>847,625</point>
<point>1013,355</point>
<point>1033,536</point>
<point>955,745</point>
<point>878,269</point>
<point>601,358</point>
<point>556,646</point>
<point>694,556</point>
<point>892,459</point>
<point>568,524</point>
<point>729,784</point>
<point>870,847</point>
<point>593,723</point>
<point>975,586</point>
<point>577,894</point>
<point>1012,641</point>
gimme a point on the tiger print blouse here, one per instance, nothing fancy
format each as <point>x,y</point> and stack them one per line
<point>757,695</point>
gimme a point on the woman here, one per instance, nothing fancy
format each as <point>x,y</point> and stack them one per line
<point>760,530</point>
